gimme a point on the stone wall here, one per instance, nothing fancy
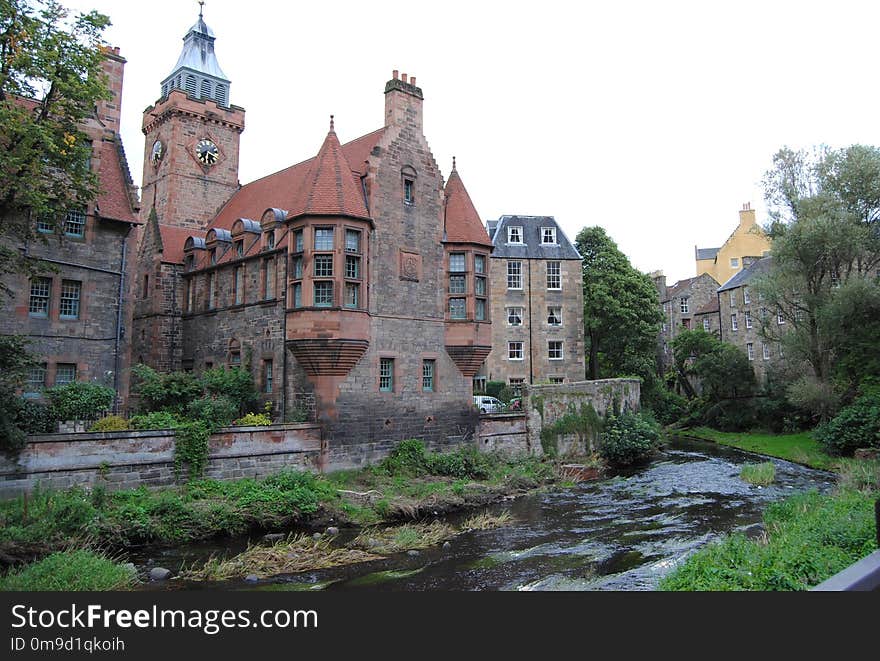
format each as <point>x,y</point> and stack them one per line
<point>129,459</point>
<point>545,405</point>
<point>505,432</point>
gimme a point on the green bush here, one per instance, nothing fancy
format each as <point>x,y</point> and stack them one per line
<point>855,426</point>
<point>215,411</point>
<point>171,391</point>
<point>253,420</point>
<point>628,438</point>
<point>70,571</point>
<point>34,417</point>
<point>236,384</point>
<point>668,407</point>
<point>494,388</point>
<point>154,420</point>
<point>80,400</point>
<point>110,423</point>
<point>464,463</point>
<point>408,458</point>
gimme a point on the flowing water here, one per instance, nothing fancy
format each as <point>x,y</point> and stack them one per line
<point>618,533</point>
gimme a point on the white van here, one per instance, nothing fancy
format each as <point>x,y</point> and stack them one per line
<point>488,404</point>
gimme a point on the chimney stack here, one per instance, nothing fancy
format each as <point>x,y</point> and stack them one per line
<point>110,110</point>
<point>403,102</point>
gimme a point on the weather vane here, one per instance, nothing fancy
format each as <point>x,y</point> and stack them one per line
<point>201,7</point>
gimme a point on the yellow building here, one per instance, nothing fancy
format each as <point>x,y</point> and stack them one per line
<point>747,240</point>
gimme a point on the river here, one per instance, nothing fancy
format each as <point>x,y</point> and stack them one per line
<point>622,532</point>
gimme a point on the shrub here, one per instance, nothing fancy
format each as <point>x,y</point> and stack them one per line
<point>253,420</point>
<point>155,420</point>
<point>235,384</point>
<point>628,438</point>
<point>110,423</point>
<point>855,426</point>
<point>34,417</point>
<point>494,388</point>
<point>80,400</point>
<point>71,571</point>
<point>408,458</point>
<point>215,411</point>
<point>668,407</point>
<point>165,391</point>
<point>465,463</point>
<point>191,447</point>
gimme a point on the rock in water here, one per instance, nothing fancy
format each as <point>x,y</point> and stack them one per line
<point>413,553</point>
<point>316,536</point>
<point>251,578</point>
<point>332,531</point>
<point>273,537</point>
<point>159,574</point>
<point>447,545</point>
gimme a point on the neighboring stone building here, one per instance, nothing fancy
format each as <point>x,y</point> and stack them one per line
<point>357,278</point>
<point>683,304</point>
<point>747,240</point>
<point>537,304</point>
<point>742,315</point>
<point>75,316</point>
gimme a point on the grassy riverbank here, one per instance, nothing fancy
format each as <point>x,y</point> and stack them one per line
<point>800,448</point>
<point>410,484</point>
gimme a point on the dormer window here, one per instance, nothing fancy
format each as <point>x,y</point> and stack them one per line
<point>190,262</point>
<point>269,240</point>
<point>213,254</point>
<point>514,234</point>
<point>239,248</point>
<point>548,236</point>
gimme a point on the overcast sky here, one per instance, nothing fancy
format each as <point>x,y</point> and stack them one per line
<point>655,120</point>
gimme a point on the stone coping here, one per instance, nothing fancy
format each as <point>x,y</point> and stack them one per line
<point>71,437</point>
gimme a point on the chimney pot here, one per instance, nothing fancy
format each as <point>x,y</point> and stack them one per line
<point>403,77</point>
<point>395,73</point>
<point>412,80</point>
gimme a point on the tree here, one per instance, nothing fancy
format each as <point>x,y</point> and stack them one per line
<point>50,80</point>
<point>621,310</point>
<point>14,364</point>
<point>825,208</point>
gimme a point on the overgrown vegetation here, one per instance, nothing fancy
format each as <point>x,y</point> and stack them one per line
<point>810,537</point>
<point>628,438</point>
<point>584,423</point>
<point>855,426</point>
<point>70,571</point>
<point>110,423</point>
<point>761,474</point>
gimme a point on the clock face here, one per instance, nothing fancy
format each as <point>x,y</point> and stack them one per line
<point>158,151</point>
<point>207,152</point>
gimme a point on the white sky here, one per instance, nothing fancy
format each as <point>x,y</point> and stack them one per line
<point>655,120</point>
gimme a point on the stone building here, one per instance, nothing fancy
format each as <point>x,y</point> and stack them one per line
<point>357,279</point>
<point>537,305</point>
<point>742,315</point>
<point>75,315</point>
<point>747,240</point>
<point>683,304</point>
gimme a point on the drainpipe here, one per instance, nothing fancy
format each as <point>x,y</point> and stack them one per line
<point>119,302</point>
<point>531,348</point>
<point>284,345</point>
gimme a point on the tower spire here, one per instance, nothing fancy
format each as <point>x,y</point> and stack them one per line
<point>201,7</point>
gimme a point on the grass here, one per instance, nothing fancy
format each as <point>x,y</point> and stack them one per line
<point>759,474</point>
<point>810,537</point>
<point>397,539</point>
<point>800,448</point>
<point>70,571</point>
<point>487,521</point>
<point>295,554</point>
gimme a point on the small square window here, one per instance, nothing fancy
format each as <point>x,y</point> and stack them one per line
<point>554,350</point>
<point>480,286</point>
<point>323,266</point>
<point>70,295</point>
<point>514,234</point>
<point>75,223</point>
<point>41,290</point>
<point>324,238</point>
<point>323,294</point>
<point>457,309</point>
<point>457,262</point>
<point>514,316</point>
<point>352,241</point>
<point>554,315</point>
<point>457,284</point>
<point>45,225</point>
<point>352,267</point>
<point>548,235</point>
<point>36,379</point>
<point>514,351</point>
<point>479,263</point>
<point>65,373</point>
<point>734,262</point>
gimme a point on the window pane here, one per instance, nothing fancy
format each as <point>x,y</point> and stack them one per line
<point>297,295</point>
<point>480,309</point>
<point>297,267</point>
<point>267,376</point>
<point>75,223</point>
<point>514,350</point>
<point>514,234</point>
<point>554,276</point>
<point>457,308</point>
<point>352,241</point>
<point>457,284</point>
<point>480,286</point>
<point>45,224</point>
<point>65,373</point>
<point>480,263</point>
<point>36,379</point>
<point>386,374</point>
<point>554,350</point>
<point>41,289</point>
<point>352,295</point>
<point>353,268</point>
<point>70,293</point>
<point>548,235</point>
<point>456,261</point>
<point>514,275</point>
<point>323,294</point>
<point>323,266</point>
<point>298,241</point>
<point>428,375</point>
<point>554,316</point>
<point>514,316</point>
<point>324,238</point>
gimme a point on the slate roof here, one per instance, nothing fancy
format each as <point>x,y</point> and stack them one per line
<point>709,308</point>
<point>531,248</point>
<point>758,268</point>
<point>462,222</point>
<point>706,253</point>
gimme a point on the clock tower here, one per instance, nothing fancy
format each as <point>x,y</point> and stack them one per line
<point>192,138</point>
